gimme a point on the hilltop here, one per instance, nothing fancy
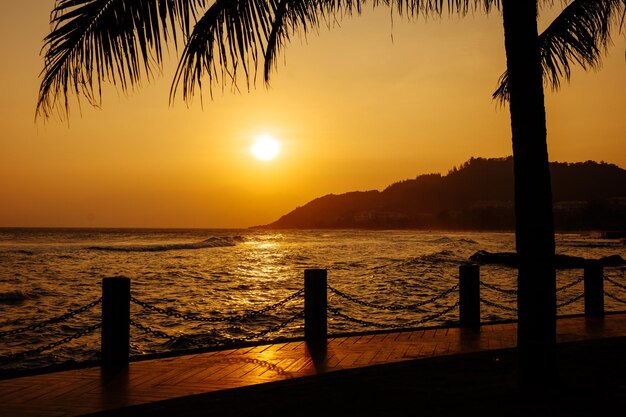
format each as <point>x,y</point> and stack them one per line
<point>478,195</point>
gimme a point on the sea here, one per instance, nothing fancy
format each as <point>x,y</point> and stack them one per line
<point>217,288</point>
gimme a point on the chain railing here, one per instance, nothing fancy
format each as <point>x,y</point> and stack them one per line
<point>515,292</point>
<point>614,297</point>
<point>149,330</point>
<point>13,357</point>
<point>393,307</point>
<point>570,301</point>
<point>263,333</point>
<point>498,289</point>
<point>53,320</point>
<point>21,355</point>
<point>498,305</point>
<point>617,284</point>
<point>413,323</point>
<point>317,291</point>
<point>570,285</point>
<point>228,319</point>
<point>225,319</point>
<point>611,295</point>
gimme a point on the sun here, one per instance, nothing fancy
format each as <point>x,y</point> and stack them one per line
<point>265,147</point>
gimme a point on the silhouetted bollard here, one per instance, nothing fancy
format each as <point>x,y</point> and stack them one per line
<point>594,288</point>
<point>115,322</point>
<point>469,295</point>
<point>315,303</point>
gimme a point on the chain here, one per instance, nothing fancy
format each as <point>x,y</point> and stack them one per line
<point>615,298</point>
<point>336,312</point>
<point>271,329</point>
<point>514,292</point>
<point>394,307</point>
<point>617,284</point>
<point>571,284</point>
<point>231,319</point>
<point>570,301</point>
<point>53,320</point>
<point>498,289</point>
<point>152,331</point>
<point>22,355</point>
<point>496,305</point>
<point>163,335</point>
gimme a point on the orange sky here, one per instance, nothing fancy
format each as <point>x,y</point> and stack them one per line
<point>353,108</point>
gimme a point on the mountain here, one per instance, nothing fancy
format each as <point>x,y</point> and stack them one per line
<point>478,195</point>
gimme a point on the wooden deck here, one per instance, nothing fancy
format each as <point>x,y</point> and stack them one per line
<point>76,392</point>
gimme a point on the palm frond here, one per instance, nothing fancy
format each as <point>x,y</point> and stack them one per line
<point>581,35</point>
<point>440,7</point>
<point>234,35</point>
<point>120,41</point>
<point>300,16</point>
<point>227,37</point>
<point>277,37</point>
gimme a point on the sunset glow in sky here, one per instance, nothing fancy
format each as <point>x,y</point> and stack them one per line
<point>356,108</point>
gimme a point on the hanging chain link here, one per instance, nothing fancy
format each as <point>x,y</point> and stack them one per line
<point>150,330</point>
<point>230,319</point>
<point>163,335</point>
<point>53,320</point>
<point>571,284</point>
<point>393,307</point>
<point>614,297</point>
<point>435,316</point>
<point>22,355</point>
<point>617,284</point>
<point>514,292</point>
<point>271,329</point>
<point>496,305</point>
<point>498,289</point>
<point>570,301</point>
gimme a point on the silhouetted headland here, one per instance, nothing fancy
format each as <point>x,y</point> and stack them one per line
<point>478,195</point>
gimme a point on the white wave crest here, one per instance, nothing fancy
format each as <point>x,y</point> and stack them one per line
<point>213,242</point>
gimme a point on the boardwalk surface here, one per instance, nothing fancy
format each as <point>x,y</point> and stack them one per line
<point>76,392</point>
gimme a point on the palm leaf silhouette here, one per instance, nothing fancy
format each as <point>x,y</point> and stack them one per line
<point>119,41</point>
<point>122,41</point>
<point>581,34</point>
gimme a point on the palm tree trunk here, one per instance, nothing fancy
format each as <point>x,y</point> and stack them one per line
<point>534,227</point>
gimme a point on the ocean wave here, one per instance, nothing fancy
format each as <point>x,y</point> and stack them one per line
<point>17,251</point>
<point>470,241</point>
<point>446,239</point>
<point>16,296</point>
<point>582,244</point>
<point>430,259</point>
<point>213,242</point>
<point>433,258</point>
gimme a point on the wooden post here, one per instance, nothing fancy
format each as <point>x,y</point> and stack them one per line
<point>115,323</point>
<point>469,295</point>
<point>594,288</point>
<point>315,303</point>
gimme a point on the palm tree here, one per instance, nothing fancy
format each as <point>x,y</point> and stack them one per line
<point>579,33</point>
<point>121,41</point>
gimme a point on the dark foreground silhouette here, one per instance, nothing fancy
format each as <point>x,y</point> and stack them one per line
<point>592,382</point>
